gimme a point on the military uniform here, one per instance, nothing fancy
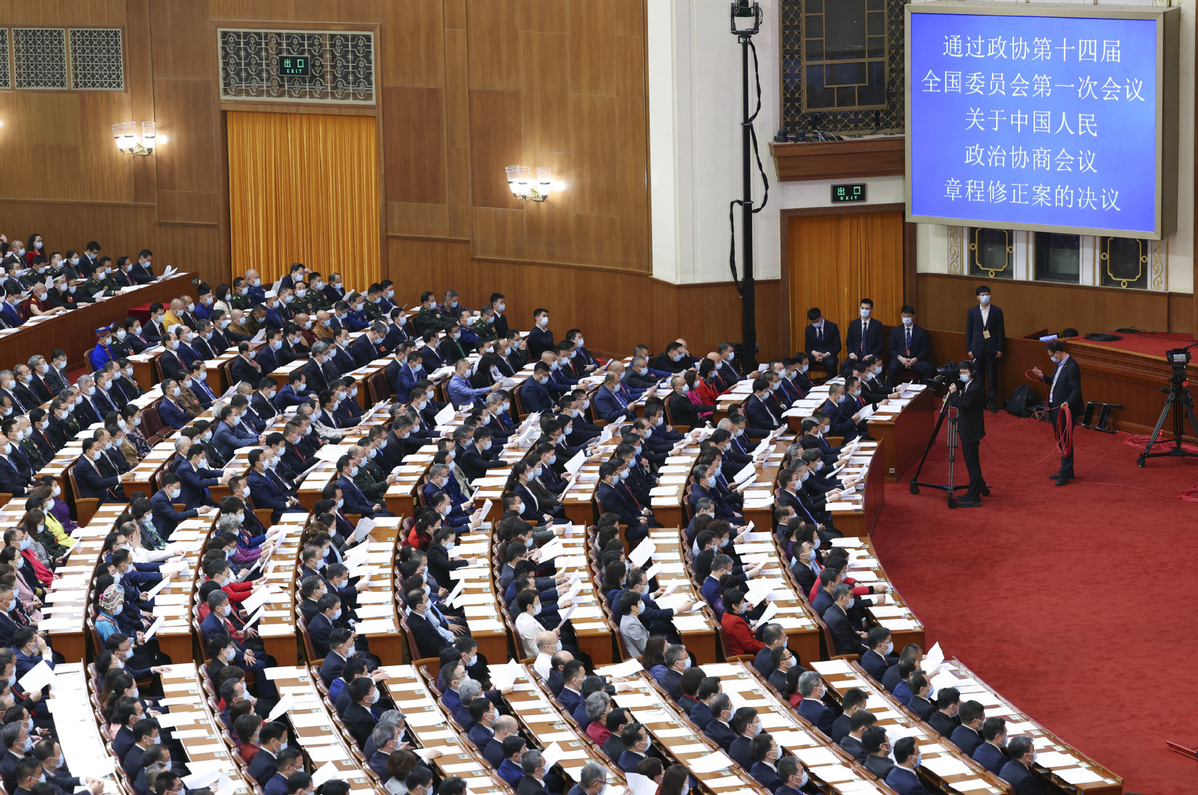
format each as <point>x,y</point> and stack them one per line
<point>427,320</point>
<point>374,311</point>
<point>484,331</point>
<point>239,301</point>
<point>304,304</point>
<point>95,287</point>
<point>35,457</point>
<point>371,480</point>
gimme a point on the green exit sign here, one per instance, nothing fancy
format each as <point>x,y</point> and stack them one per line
<point>295,66</point>
<point>848,193</point>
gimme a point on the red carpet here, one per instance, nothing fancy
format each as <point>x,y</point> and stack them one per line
<point>1076,603</point>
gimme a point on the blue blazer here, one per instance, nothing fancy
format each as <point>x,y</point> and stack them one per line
<point>432,359</point>
<point>817,714</point>
<point>363,350</point>
<point>407,382</point>
<point>267,493</point>
<point>905,782</point>
<point>94,484</point>
<point>355,500</point>
<point>228,439</point>
<point>720,733</point>
<point>759,417</point>
<point>194,483</point>
<point>990,757</point>
<point>171,413</point>
<point>166,518</point>
<point>609,405</point>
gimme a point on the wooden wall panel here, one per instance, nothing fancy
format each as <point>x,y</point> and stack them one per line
<point>496,143</point>
<point>414,145</point>
<point>1032,306</point>
<point>413,53</point>
<point>494,56</point>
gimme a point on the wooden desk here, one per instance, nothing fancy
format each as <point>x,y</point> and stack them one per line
<point>859,523</point>
<point>938,753</point>
<point>196,728</point>
<point>1060,764</point>
<point>888,608</point>
<point>698,630</point>
<point>75,331</point>
<point>904,435</point>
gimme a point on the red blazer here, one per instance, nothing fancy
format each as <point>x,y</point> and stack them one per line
<point>708,391</point>
<point>738,635</point>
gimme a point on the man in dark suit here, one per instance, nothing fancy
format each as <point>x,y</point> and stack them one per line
<point>821,340</point>
<point>864,337</point>
<point>1018,772</point>
<point>846,638</point>
<point>948,704</point>
<point>984,336</point>
<point>92,482</point>
<point>909,349</point>
<point>920,688</point>
<point>166,517</point>
<point>990,754</point>
<point>874,659</point>
<point>811,688</point>
<point>971,428</point>
<point>762,416</point>
<point>902,778</point>
<point>534,394</point>
<point>1064,389</point>
<point>968,736</point>
<point>682,411</point>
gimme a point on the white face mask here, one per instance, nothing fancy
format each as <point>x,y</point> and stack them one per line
<point>865,313</point>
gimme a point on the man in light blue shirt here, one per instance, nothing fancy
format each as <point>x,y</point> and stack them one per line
<point>461,394</point>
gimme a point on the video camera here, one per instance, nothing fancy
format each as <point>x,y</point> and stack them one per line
<point>946,374</point>
<point>1178,359</point>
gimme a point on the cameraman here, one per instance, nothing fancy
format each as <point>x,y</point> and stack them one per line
<point>971,427</point>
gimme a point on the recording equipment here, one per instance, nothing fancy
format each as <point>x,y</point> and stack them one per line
<point>1179,404</point>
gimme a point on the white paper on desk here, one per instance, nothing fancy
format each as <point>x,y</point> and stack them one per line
<point>326,771</point>
<point>365,525</point>
<point>445,415</point>
<point>325,753</point>
<point>566,616</point>
<point>933,659</point>
<point>641,785</point>
<point>575,463</point>
<point>281,708</point>
<point>710,763</point>
<point>503,676</point>
<point>205,778</point>
<point>624,669</point>
<point>642,553</point>
<point>157,625</point>
<point>654,570</point>
<point>37,677</point>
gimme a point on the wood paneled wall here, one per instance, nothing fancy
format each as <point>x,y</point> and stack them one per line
<point>464,87</point>
<point>1031,306</point>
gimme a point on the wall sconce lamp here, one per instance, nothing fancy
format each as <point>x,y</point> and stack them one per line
<point>519,180</point>
<point>129,143</point>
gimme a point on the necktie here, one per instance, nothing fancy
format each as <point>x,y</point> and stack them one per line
<point>908,340</point>
<point>819,332</point>
<point>864,330</point>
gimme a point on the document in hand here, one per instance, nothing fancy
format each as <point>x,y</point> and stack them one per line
<point>933,659</point>
<point>760,589</point>
<point>37,677</point>
<point>259,338</point>
<point>445,415</point>
<point>865,412</point>
<point>575,463</point>
<point>285,703</point>
<point>332,452</point>
<point>503,676</point>
<point>744,474</point>
<point>642,553</point>
<point>365,525</point>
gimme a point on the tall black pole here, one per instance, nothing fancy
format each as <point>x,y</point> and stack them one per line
<point>748,306</point>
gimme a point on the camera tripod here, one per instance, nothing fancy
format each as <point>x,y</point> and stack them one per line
<point>948,409</point>
<point>1180,404</point>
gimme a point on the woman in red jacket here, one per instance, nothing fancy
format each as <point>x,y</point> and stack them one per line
<point>737,632</point>
<point>706,387</point>
<point>33,249</point>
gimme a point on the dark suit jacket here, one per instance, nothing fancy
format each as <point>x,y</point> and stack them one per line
<point>683,412</point>
<point>359,722</point>
<point>1021,779</point>
<point>846,639</point>
<point>943,723</point>
<point>920,348</point>
<point>873,343</point>
<point>966,739</point>
<point>922,708</point>
<point>975,341</point>
<point>831,342</point>
<point>530,786</point>
<point>817,714</point>
<point>1068,388</point>
<point>428,640</point>
<point>990,757</point>
<point>905,782</point>
<point>166,518</point>
<point>971,411</point>
<point>721,733</point>
<point>241,370</point>
<point>878,765</point>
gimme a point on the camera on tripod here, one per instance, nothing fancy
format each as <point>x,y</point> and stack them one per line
<point>1179,359</point>
<point>946,374</point>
